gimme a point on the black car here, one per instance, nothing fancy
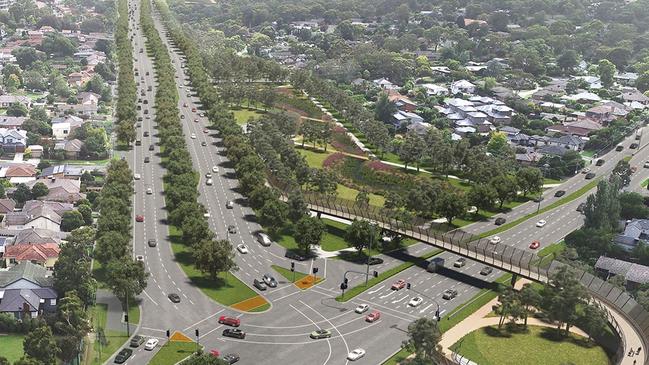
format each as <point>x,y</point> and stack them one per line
<point>599,162</point>
<point>123,356</point>
<point>146,134</point>
<point>581,207</point>
<point>500,221</point>
<point>486,270</point>
<point>203,143</point>
<point>147,159</point>
<point>231,358</point>
<point>560,193</point>
<point>293,256</point>
<point>137,340</point>
<point>175,298</point>
<point>151,147</point>
<point>590,175</point>
<point>619,148</point>
<point>152,243</point>
<point>633,146</point>
<point>234,332</point>
<point>375,261</point>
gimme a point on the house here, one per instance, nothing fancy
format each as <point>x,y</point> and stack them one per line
<point>441,69</point>
<point>35,150</point>
<point>87,110</point>
<point>61,190</point>
<point>593,82</point>
<point>61,131</point>
<point>385,84</point>
<point>635,231</point>
<point>72,172</point>
<point>44,254</point>
<point>419,128</point>
<point>18,173</point>
<point>75,78</point>
<point>462,87</point>
<point>7,100</point>
<point>605,114</point>
<point>7,206</point>
<point>37,214</point>
<point>626,78</point>
<point>406,118</point>
<point>468,22</point>
<point>33,236</point>
<point>26,289</point>
<point>634,274</point>
<point>583,97</point>
<point>552,150</point>
<point>402,102</point>
<point>72,148</point>
<point>88,98</point>
<point>529,158</point>
<point>10,122</point>
<point>634,96</point>
<point>13,140</point>
<point>436,90</point>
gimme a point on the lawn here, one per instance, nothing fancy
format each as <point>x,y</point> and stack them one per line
<point>112,340</point>
<point>488,346</point>
<point>350,194</point>
<point>242,115</point>
<point>288,274</point>
<point>314,158</point>
<point>226,290</point>
<point>332,240</point>
<point>173,352</point>
<point>12,347</point>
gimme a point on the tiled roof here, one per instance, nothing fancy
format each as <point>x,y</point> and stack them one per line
<point>25,270</point>
<point>7,205</point>
<point>28,252</point>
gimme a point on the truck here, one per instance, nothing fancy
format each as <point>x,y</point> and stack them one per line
<point>435,264</point>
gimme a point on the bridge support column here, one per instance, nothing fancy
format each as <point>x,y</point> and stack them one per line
<point>514,278</point>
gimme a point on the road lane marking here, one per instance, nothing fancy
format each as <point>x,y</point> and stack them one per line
<point>203,320</point>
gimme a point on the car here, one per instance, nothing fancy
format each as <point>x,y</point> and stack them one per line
<point>139,218</point>
<point>619,148</point>
<point>203,143</point>
<point>416,301</point>
<point>460,262</point>
<point>294,256</point>
<point>590,175</point>
<point>231,358</point>
<point>232,229</point>
<point>320,334</point>
<point>122,356</point>
<point>599,162</point>
<point>541,223</point>
<point>206,131</point>
<point>242,248</point>
<point>151,344</point>
<point>633,169</point>
<point>263,239</point>
<point>207,215</point>
<point>581,207</point>
<point>229,204</point>
<point>230,321</point>
<point>147,159</point>
<point>449,294</point>
<point>234,332</point>
<point>149,191</point>
<point>151,147</point>
<point>646,165</point>
<point>500,221</point>
<point>152,243</point>
<point>215,353</point>
<point>559,193</point>
<point>633,146</point>
<point>193,136</point>
<point>495,240</point>
<point>259,284</point>
<point>209,182</point>
<point>215,169</point>
<point>373,316</point>
<point>139,258</point>
<point>137,340</point>
<point>375,261</point>
<point>585,170</point>
<point>538,199</point>
<point>195,120</point>
<point>269,280</point>
<point>362,308</point>
<point>399,284</point>
<point>137,176</point>
<point>175,298</point>
<point>193,110</point>
<point>535,244</point>
<point>355,354</point>
<point>486,270</point>
<point>184,104</point>
<point>208,175</point>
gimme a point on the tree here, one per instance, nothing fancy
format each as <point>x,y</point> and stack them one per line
<point>505,187</point>
<point>297,207</point>
<point>71,220</point>
<point>606,70</point>
<point>4,361</point>
<point>86,213</point>
<point>33,80</point>
<point>529,298</point>
<point>214,256</point>
<point>195,229</point>
<point>423,338</point>
<point>529,180</point>
<point>26,56</point>
<point>308,232</point>
<point>498,144</point>
<point>203,359</point>
<point>39,190</point>
<point>562,296</point>
<point>412,149</point>
<point>273,214</point>
<point>17,110</point>
<point>111,245</point>
<point>71,325</point>
<point>602,209</point>
<point>126,278</point>
<point>360,233</point>
<point>22,194</point>
<point>506,301</point>
<point>482,196</point>
<point>593,321</point>
<point>632,206</point>
<point>384,108</point>
<point>642,83</point>
<point>362,198</point>
<point>451,204</point>
<point>568,60</point>
<point>623,171</point>
<point>39,344</point>
<point>73,266</point>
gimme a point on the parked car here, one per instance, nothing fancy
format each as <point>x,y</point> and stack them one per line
<point>175,298</point>
<point>355,354</point>
<point>259,284</point>
<point>560,193</point>
<point>416,301</point>
<point>234,332</point>
<point>230,321</point>
<point>500,221</point>
<point>319,334</point>
<point>399,284</point>
<point>373,317</point>
<point>486,270</point>
<point>242,248</point>
<point>269,280</point>
<point>590,175</point>
<point>460,262</point>
<point>123,355</point>
<point>137,340</point>
<point>362,308</point>
<point>535,244</point>
<point>151,344</point>
<point>449,294</point>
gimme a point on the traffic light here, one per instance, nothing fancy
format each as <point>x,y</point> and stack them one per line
<point>293,266</point>
<point>375,273</point>
<point>315,270</point>
<point>197,333</point>
<point>126,317</point>
<point>343,286</point>
<point>408,286</point>
<point>346,281</point>
<point>168,333</point>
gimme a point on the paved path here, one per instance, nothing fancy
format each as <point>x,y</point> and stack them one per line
<point>115,315</point>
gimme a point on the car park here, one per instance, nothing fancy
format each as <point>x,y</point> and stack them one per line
<point>137,340</point>
<point>122,356</point>
<point>320,334</point>
<point>449,294</point>
<point>486,270</point>
<point>259,284</point>
<point>139,218</point>
<point>541,223</point>
<point>362,308</point>
<point>231,358</point>
<point>559,193</point>
<point>495,240</point>
<point>500,221</point>
<point>269,280</point>
<point>355,354</point>
<point>460,262</point>
<point>535,244</point>
<point>234,332</point>
<point>415,302</point>
<point>152,243</point>
<point>242,248</point>
<point>399,284</point>
<point>151,344</point>
<point>230,321</point>
<point>373,317</point>
<point>175,298</point>
<point>590,175</point>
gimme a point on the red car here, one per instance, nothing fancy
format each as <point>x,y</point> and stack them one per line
<point>206,131</point>
<point>139,218</point>
<point>230,321</point>
<point>374,316</point>
<point>535,244</point>
<point>193,110</point>
<point>215,353</point>
<point>399,284</point>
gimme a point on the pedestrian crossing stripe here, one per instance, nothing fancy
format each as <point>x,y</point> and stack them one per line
<point>178,336</point>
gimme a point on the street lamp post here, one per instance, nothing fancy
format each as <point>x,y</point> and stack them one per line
<point>543,170</point>
<point>369,255</point>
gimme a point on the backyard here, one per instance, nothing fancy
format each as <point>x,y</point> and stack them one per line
<point>12,346</point>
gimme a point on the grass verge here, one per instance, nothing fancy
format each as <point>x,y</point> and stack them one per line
<point>353,292</point>
<point>173,352</point>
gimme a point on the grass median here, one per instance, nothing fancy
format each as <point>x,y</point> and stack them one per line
<point>353,292</point>
<point>173,352</point>
<point>573,196</point>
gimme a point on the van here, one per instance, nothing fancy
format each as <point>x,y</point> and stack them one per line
<point>263,239</point>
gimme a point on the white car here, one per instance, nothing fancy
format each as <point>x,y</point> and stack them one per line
<point>136,176</point>
<point>151,344</point>
<point>208,175</point>
<point>149,191</point>
<point>414,302</point>
<point>215,169</point>
<point>541,223</point>
<point>362,308</point>
<point>355,354</point>
<point>242,248</point>
<point>193,136</point>
<point>208,182</point>
<point>207,215</point>
<point>139,258</point>
<point>495,240</point>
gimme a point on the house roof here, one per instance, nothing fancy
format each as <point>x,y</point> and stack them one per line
<point>22,170</point>
<point>73,145</point>
<point>553,150</point>
<point>7,205</point>
<point>32,252</point>
<point>632,272</point>
<point>36,236</point>
<point>35,212</point>
<point>25,270</point>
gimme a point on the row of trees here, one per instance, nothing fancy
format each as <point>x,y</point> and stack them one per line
<point>211,256</point>
<point>125,107</point>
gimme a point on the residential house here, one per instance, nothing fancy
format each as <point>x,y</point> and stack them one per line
<point>479,22</point>
<point>72,148</point>
<point>583,97</point>
<point>44,254</point>
<point>552,150</point>
<point>18,173</point>
<point>635,231</point>
<point>385,84</point>
<point>13,140</point>
<point>72,172</point>
<point>88,98</point>
<point>26,289</point>
<point>402,102</point>
<point>604,114</point>
<point>593,82</point>
<point>61,190</point>
<point>441,70</point>
<point>406,118</point>
<point>8,100</point>
<point>631,96</point>
<point>626,78</point>
<point>419,128</point>
<point>86,110</point>
<point>75,78</point>
<point>7,206</point>
<point>580,128</point>
<point>10,122</point>
<point>529,157</point>
<point>435,90</point>
<point>462,87</point>
<point>33,236</point>
<point>35,150</point>
<point>38,214</point>
<point>634,274</point>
